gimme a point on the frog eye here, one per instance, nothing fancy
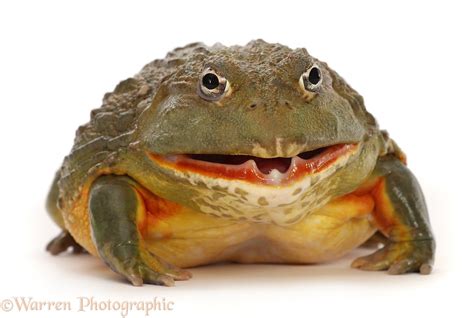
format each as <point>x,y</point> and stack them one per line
<point>311,79</point>
<point>211,85</point>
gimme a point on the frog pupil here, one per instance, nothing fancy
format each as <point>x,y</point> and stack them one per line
<point>210,81</point>
<point>314,76</point>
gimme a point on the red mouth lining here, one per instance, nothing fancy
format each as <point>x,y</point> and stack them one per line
<point>274,171</point>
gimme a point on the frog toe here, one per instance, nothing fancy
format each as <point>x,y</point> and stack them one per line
<point>181,274</point>
<point>159,272</point>
<point>413,263</point>
<point>62,242</point>
<point>134,278</point>
<point>409,265</point>
<point>155,278</point>
<point>142,273</point>
<point>399,258</point>
<point>371,263</point>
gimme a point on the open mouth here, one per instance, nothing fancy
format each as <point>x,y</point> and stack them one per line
<point>256,169</point>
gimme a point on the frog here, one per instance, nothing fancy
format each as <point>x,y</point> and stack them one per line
<point>252,154</point>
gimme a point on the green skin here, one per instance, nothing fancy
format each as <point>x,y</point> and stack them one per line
<point>161,111</point>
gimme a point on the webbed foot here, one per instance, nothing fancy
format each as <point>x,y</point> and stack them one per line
<point>400,258</point>
<point>143,268</point>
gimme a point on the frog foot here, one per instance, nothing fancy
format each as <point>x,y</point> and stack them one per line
<point>399,258</point>
<point>62,243</point>
<point>145,268</point>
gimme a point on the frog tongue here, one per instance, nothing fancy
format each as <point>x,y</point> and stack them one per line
<point>266,165</point>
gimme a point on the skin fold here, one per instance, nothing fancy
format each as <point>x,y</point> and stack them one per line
<point>250,154</point>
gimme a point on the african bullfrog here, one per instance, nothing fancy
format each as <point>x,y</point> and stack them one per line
<point>250,154</point>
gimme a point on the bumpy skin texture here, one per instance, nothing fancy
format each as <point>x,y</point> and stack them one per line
<point>136,191</point>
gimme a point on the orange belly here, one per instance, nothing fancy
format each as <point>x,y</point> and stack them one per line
<point>187,238</point>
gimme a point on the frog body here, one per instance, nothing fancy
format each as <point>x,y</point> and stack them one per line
<point>252,154</point>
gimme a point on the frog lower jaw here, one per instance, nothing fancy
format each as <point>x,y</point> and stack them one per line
<point>268,171</point>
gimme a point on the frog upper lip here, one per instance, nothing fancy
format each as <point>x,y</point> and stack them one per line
<point>277,170</point>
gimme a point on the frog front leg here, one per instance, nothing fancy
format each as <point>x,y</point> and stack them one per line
<point>115,204</point>
<point>400,214</point>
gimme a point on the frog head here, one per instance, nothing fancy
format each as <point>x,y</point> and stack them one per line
<point>263,129</point>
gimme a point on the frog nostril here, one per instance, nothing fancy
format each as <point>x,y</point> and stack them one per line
<point>287,104</point>
<point>253,106</point>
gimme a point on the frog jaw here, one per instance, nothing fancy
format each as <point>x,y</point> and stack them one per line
<point>281,199</point>
<point>277,171</point>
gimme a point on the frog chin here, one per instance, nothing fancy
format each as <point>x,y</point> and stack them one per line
<point>272,190</point>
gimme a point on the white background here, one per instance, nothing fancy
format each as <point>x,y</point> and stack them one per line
<point>411,60</point>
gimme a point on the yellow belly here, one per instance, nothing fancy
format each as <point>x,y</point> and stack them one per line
<point>188,238</point>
